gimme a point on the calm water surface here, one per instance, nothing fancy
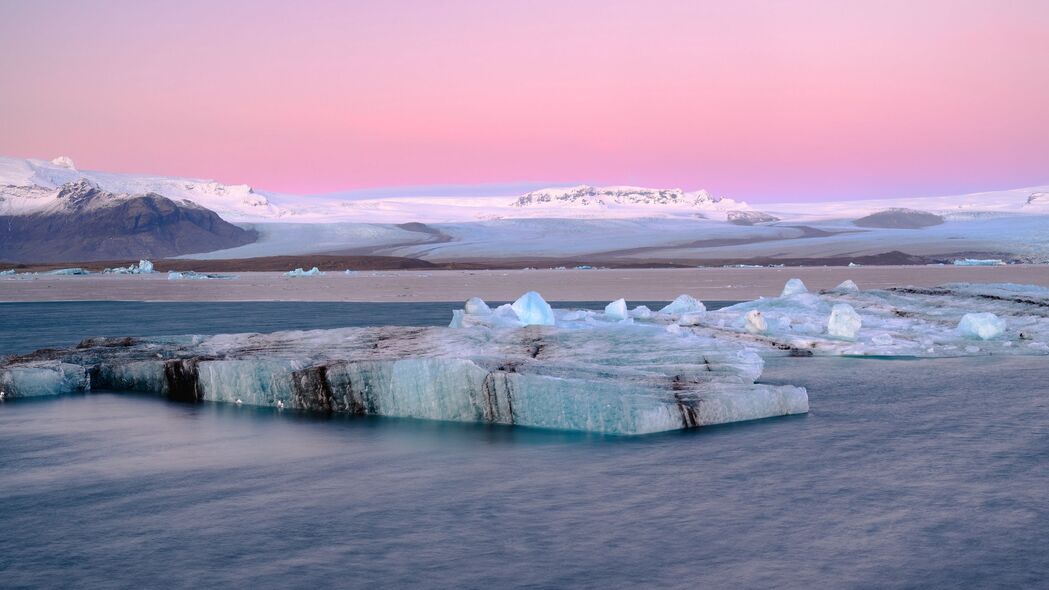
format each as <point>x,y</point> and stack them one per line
<point>905,474</point>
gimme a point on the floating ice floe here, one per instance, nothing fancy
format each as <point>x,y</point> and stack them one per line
<point>189,275</point>
<point>7,272</point>
<point>847,285</point>
<point>900,321</point>
<point>298,272</point>
<point>979,262</point>
<point>144,267</point>
<point>68,272</point>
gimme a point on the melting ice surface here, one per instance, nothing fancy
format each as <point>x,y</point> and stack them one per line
<point>531,365</point>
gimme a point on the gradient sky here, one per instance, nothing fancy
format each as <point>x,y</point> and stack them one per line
<point>750,99</point>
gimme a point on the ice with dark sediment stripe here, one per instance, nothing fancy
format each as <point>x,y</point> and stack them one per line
<point>603,377</point>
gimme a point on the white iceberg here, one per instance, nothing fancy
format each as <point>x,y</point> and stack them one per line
<point>144,267</point>
<point>298,272</point>
<point>794,287</point>
<point>684,304</point>
<point>533,310</point>
<point>844,322</point>
<point>477,306</point>
<point>847,285</point>
<point>616,310</point>
<point>983,326</point>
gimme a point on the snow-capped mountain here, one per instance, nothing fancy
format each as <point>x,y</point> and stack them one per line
<point>613,196</point>
<point>26,186</point>
<point>78,221</point>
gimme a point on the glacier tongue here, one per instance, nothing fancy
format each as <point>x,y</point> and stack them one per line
<point>616,378</point>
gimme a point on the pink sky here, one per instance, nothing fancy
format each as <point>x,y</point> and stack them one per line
<point>750,99</point>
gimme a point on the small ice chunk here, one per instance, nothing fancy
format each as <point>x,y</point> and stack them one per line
<point>844,322</point>
<point>882,339</point>
<point>145,267</point>
<point>794,287</point>
<point>684,304</point>
<point>848,285</point>
<point>616,310</point>
<point>298,272</point>
<point>533,310</point>
<point>477,306</point>
<point>640,312</point>
<point>7,272</point>
<point>755,322</point>
<point>983,326</point>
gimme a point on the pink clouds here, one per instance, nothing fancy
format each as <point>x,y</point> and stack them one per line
<point>750,99</point>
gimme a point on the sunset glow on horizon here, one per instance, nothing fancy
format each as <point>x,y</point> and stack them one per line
<point>754,100</point>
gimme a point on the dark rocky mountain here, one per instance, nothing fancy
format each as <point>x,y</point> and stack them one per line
<point>86,223</point>
<point>899,219</point>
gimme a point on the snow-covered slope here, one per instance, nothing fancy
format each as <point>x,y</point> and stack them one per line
<point>26,186</point>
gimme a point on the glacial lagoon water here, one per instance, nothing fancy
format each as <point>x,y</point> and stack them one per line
<point>905,474</point>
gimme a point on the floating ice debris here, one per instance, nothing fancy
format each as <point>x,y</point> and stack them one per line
<point>844,322</point>
<point>853,264</point>
<point>983,326</point>
<point>533,310</point>
<point>641,312</point>
<point>979,262</point>
<point>608,377</point>
<point>144,267</point>
<point>195,276</point>
<point>754,322</point>
<point>794,287</point>
<point>477,306</point>
<point>847,285</point>
<point>350,272</point>
<point>68,271</point>
<point>584,267</point>
<point>7,272</point>
<point>684,304</point>
<point>616,310</point>
<point>298,272</point>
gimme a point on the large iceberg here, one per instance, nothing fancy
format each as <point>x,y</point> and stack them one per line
<point>606,377</point>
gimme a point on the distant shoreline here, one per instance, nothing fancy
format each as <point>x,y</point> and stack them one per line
<point>714,284</point>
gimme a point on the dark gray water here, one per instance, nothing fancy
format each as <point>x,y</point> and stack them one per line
<point>929,474</point>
